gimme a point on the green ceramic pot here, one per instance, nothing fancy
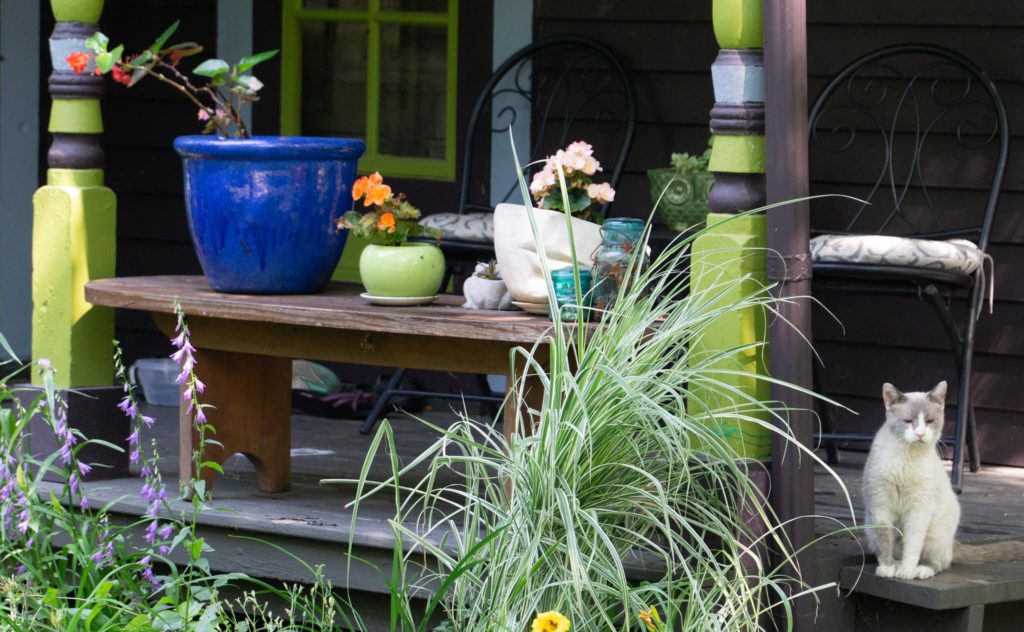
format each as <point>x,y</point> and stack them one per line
<point>411,270</point>
<point>685,202</point>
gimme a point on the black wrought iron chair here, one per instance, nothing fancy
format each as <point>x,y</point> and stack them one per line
<point>568,88</point>
<point>924,112</point>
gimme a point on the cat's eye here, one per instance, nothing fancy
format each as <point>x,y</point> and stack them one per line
<point>908,421</point>
<point>929,421</point>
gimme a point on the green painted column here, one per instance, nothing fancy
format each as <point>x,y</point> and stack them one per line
<point>733,246</point>
<point>74,231</point>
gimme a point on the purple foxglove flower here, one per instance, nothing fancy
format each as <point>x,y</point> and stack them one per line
<point>165,531</point>
<point>84,468</point>
<point>150,536</point>
<point>85,503</point>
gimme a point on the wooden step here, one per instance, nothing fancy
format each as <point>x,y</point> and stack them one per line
<point>965,598</point>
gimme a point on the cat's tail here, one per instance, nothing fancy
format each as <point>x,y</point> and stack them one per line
<point>988,552</point>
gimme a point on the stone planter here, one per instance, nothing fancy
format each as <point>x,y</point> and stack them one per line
<point>517,253</point>
<point>263,211</point>
<point>481,293</point>
<point>684,204</point>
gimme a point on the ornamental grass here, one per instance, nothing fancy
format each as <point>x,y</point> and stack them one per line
<point>623,509</point>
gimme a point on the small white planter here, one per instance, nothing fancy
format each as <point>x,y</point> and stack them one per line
<point>518,256</point>
<point>483,293</point>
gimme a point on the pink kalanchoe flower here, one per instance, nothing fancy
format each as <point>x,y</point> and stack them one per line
<point>203,114</point>
<point>255,84</point>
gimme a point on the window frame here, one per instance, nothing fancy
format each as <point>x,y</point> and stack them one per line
<point>294,14</point>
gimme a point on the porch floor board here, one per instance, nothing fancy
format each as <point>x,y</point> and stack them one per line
<point>312,522</point>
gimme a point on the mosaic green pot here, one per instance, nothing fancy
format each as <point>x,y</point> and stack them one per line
<point>684,204</point>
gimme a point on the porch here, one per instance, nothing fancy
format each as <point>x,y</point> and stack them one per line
<point>313,523</point>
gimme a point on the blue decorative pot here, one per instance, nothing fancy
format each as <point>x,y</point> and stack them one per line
<point>263,211</point>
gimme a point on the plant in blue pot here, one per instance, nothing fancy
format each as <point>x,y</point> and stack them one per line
<point>261,210</point>
<point>393,270</point>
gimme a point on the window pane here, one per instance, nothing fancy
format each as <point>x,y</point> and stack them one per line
<point>349,5</point>
<point>334,79</point>
<point>412,94</point>
<point>414,5</point>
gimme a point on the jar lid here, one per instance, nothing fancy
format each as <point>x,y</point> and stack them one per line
<point>623,223</point>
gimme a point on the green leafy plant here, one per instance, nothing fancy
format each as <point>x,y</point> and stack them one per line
<point>488,271</point>
<point>219,101</point>
<point>685,164</point>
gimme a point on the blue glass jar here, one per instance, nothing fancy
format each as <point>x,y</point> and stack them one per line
<point>620,243</point>
<point>565,292</point>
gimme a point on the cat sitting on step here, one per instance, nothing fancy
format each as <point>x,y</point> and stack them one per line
<point>911,508</point>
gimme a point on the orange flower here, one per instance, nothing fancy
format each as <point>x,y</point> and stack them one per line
<point>360,187</point>
<point>386,222</point>
<point>376,179</point>
<point>377,195</point>
<point>78,61</point>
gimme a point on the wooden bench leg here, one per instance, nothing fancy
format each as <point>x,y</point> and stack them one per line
<point>251,395</point>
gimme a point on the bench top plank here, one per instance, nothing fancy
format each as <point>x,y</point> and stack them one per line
<point>338,307</point>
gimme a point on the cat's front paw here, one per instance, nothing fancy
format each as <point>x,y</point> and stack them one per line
<point>915,572</point>
<point>885,570</point>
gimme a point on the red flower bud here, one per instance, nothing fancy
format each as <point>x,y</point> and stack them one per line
<point>120,76</point>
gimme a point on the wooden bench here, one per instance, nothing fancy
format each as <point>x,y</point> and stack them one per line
<point>245,344</point>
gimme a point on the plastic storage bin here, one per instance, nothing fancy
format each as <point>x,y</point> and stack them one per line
<point>156,377</point>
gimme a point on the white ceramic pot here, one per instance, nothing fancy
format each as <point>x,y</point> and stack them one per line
<point>517,252</point>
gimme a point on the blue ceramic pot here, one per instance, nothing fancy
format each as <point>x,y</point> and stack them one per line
<point>263,211</point>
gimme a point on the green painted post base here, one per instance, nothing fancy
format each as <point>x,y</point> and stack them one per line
<point>73,242</point>
<point>733,248</point>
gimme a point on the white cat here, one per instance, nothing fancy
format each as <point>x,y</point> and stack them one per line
<point>907,493</point>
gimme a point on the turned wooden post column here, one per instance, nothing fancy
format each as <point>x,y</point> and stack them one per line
<point>73,240</point>
<point>733,247</point>
<point>74,230</point>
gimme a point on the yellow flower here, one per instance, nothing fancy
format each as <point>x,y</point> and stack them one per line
<point>650,618</point>
<point>551,621</point>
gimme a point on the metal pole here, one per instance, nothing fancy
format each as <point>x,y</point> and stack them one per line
<point>792,495</point>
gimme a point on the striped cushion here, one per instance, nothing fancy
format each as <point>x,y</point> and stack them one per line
<point>954,255</point>
<point>478,227</point>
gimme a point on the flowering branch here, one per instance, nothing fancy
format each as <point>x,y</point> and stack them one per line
<point>221,112</point>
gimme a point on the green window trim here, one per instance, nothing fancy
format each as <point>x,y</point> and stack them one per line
<point>291,81</point>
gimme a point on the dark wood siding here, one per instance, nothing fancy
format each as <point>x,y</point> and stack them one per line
<point>898,339</point>
<point>669,48</point>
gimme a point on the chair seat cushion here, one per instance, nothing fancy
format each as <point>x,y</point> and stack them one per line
<point>954,255</point>
<point>475,227</point>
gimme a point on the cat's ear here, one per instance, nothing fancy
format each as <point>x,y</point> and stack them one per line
<point>891,395</point>
<point>938,394</point>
